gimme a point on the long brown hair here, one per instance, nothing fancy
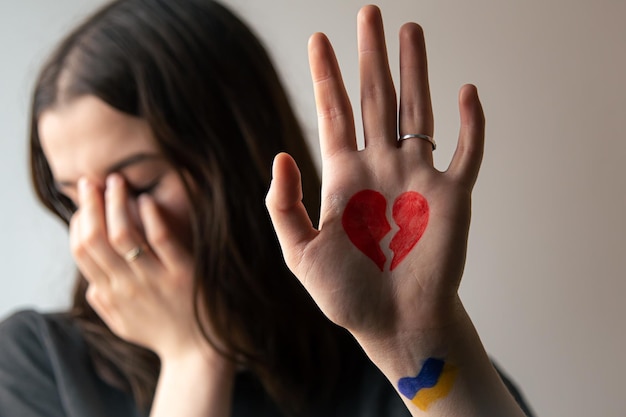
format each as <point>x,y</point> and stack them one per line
<point>219,113</point>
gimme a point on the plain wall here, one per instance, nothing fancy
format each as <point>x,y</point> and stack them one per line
<point>544,281</point>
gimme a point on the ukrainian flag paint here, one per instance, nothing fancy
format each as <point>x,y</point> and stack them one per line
<point>434,381</point>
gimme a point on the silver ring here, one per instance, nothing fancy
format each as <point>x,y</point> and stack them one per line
<point>419,136</point>
<point>133,254</point>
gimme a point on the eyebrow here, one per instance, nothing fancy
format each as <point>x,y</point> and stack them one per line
<point>116,167</point>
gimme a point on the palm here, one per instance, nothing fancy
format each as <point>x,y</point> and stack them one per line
<point>378,263</point>
<point>347,282</point>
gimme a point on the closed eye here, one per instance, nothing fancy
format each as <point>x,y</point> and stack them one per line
<point>137,191</point>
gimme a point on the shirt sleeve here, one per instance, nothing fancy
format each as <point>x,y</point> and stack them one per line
<point>27,383</point>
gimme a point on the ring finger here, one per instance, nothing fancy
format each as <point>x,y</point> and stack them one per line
<point>122,229</point>
<point>416,113</point>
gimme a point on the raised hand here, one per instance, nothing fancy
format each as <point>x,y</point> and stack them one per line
<point>388,255</point>
<point>390,248</point>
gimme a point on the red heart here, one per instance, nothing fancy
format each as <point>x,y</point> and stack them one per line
<point>410,211</point>
<point>365,222</point>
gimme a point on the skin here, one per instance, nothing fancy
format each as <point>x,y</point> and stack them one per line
<point>400,317</point>
<point>127,195</point>
<point>403,316</point>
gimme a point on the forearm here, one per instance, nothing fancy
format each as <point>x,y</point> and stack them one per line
<point>443,371</point>
<point>194,386</point>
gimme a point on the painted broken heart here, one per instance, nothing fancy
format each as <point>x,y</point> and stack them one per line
<point>365,222</point>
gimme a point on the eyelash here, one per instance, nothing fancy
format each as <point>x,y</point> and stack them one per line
<point>136,192</point>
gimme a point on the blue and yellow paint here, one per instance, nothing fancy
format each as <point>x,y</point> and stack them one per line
<point>433,382</point>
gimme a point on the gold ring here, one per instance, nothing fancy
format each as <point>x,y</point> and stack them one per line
<point>133,254</point>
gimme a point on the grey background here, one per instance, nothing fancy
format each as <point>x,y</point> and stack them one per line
<point>544,281</point>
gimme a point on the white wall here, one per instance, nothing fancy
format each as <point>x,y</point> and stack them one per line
<point>36,267</point>
<point>544,280</point>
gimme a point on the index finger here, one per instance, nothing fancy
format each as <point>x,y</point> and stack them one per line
<point>334,112</point>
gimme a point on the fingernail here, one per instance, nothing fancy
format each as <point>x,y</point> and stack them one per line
<point>142,200</point>
<point>83,186</point>
<point>113,181</point>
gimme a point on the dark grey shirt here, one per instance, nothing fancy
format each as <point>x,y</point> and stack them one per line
<point>46,371</point>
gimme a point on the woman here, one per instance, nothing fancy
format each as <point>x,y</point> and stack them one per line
<point>154,126</point>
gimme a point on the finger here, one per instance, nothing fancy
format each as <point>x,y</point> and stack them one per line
<point>416,112</point>
<point>287,212</point>
<point>469,151</point>
<point>334,112</point>
<point>378,96</point>
<point>162,242</point>
<point>122,231</point>
<point>99,298</point>
<point>93,231</point>
<point>90,270</point>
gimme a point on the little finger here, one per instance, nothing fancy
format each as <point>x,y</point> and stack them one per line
<point>469,151</point>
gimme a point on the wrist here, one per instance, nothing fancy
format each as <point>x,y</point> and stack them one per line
<point>196,382</point>
<point>200,360</point>
<point>442,368</point>
<point>443,332</point>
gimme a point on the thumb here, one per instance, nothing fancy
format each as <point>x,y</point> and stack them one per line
<point>289,216</point>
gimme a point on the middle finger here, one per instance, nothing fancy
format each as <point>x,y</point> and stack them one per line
<point>378,96</point>
<point>93,231</point>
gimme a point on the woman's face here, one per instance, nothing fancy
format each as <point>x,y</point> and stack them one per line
<point>88,138</point>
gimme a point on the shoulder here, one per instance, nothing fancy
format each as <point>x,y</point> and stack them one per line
<point>19,324</point>
<point>27,322</point>
<point>28,333</point>
<point>26,368</point>
<point>46,370</point>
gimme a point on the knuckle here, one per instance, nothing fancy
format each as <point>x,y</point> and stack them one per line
<point>78,249</point>
<point>90,238</point>
<point>92,295</point>
<point>126,288</point>
<point>120,238</point>
<point>323,77</point>
<point>331,112</point>
<point>382,94</point>
<point>412,110</point>
<point>99,298</point>
<point>159,236</point>
<point>371,91</point>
